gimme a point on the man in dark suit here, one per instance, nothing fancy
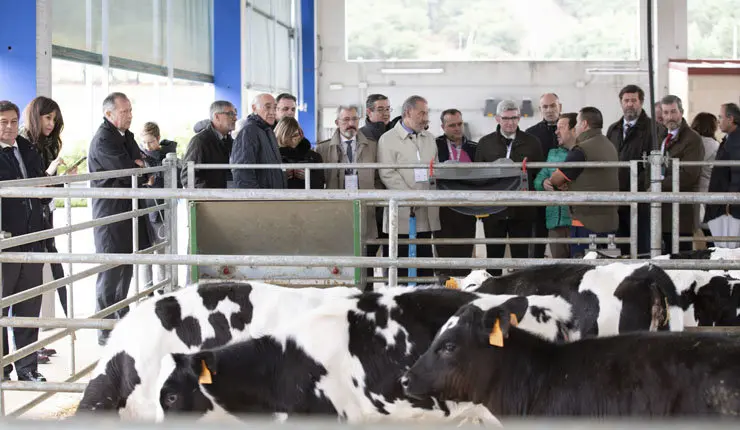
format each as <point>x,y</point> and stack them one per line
<point>212,145</point>
<point>19,160</point>
<point>112,148</point>
<point>455,147</point>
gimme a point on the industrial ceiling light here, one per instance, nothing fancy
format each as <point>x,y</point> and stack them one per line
<point>429,71</point>
<point>615,71</point>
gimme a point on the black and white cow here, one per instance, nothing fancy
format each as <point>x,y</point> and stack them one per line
<point>196,317</point>
<point>485,360</point>
<point>708,297</point>
<point>344,358</point>
<point>615,298</point>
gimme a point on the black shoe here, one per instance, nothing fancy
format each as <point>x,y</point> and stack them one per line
<point>30,376</point>
<point>42,358</point>
<point>49,352</point>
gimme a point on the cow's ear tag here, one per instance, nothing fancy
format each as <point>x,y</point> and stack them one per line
<point>205,374</point>
<point>513,319</point>
<point>496,338</point>
<point>451,284</point>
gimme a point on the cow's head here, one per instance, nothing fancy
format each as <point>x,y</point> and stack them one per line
<point>469,283</point>
<point>180,382</point>
<point>459,357</point>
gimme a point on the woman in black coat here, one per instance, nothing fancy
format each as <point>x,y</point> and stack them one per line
<point>43,125</point>
<point>294,148</point>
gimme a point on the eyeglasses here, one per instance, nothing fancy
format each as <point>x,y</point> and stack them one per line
<point>383,110</point>
<point>229,113</point>
<point>346,120</point>
<point>509,118</point>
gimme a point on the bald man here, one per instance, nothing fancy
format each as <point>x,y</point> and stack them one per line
<point>256,144</point>
<point>550,109</point>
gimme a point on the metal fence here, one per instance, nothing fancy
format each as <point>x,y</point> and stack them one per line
<point>38,187</point>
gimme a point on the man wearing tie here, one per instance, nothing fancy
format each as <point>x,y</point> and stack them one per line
<point>508,141</point>
<point>681,142</point>
<point>348,146</point>
<point>19,160</point>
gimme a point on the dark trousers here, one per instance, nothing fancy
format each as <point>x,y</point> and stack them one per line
<point>56,268</point>
<point>455,226</point>
<point>643,228</point>
<point>112,287</point>
<point>18,277</point>
<point>500,228</point>
<point>682,246</point>
<point>422,251</point>
<point>579,250</point>
<point>537,250</point>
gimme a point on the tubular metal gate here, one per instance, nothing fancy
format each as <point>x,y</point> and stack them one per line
<point>37,187</point>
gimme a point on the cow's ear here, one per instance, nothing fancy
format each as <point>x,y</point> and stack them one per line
<point>205,366</point>
<point>498,320</point>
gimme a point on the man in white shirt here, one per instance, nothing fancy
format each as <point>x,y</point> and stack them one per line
<point>409,142</point>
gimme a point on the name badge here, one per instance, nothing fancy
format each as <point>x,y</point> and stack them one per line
<point>351,182</point>
<point>421,175</point>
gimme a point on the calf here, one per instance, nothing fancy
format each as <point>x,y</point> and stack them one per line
<point>484,359</point>
<point>344,358</point>
<point>612,299</point>
<point>210,315</point>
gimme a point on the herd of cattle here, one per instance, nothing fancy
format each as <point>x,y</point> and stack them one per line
<point>552,340</point>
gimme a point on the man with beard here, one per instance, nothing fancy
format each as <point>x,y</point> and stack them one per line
<point>681,142</point>
<point>632,136</point>
<point>409,142</point>
<point>349,146</point>
<point>550,108</point>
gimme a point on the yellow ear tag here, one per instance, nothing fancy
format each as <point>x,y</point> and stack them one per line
<point>496,337</point>
<point>205,374</point>
<point>513,320</point>
<point>451,284</point>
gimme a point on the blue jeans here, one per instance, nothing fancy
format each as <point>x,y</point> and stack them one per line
<point>578,250</point>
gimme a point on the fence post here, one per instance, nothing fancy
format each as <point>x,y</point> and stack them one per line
<point>135,227</point>
<point>675,233</point>
<point>170,182</point>
<point>656,178</point>
<point>307,178</point>
<point>633,208</point>
<point>70,285</point>
<point>393,241</point>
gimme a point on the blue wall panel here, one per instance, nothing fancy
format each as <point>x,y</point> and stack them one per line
<point>307,119</point>
<point>227,42</point>
<point>18,51</point>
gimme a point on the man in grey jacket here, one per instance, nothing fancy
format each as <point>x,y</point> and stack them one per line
<point>256,144</point>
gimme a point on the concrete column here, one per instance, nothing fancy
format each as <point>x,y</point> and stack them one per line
<point>670,39</point>
<point>227,51</point>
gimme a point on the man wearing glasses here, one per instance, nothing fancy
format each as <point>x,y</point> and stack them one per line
<point>378,110</point>
<point>212,145</point>
<point>508,141</point>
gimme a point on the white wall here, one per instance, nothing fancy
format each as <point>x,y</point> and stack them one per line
<point>463,85</point>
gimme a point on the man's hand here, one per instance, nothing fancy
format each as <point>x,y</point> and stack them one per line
<point>139,163</point>
<point>299,174</point>
<point>547,185</point>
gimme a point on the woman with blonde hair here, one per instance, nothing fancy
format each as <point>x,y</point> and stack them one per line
<point>295,149</point>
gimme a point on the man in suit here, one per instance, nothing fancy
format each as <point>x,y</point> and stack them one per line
<point>19,160</point>
<point>453,146</point>
<point>349,146</point>
<point>112,148</point>
<point>212,145</point>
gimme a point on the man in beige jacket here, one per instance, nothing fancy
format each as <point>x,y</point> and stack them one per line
<point>349,146</point>
<point>409,142</point>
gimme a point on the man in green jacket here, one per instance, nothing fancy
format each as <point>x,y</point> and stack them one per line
<point>557,218</point>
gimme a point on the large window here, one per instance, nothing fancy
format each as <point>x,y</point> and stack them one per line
<point>451,30</point>
<point>271,46</point>
<point>714,29</point>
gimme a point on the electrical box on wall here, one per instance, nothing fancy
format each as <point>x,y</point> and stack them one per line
<point>490,108</point>
<point>526,110</point>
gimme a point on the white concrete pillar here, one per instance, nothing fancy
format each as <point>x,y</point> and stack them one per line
<point>670,39</point>
<point>43,48</point>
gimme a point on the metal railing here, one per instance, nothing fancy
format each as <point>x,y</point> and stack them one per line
<point>392,198</point>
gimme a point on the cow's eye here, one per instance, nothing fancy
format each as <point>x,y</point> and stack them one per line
<point>448,347</point>
<point>171,399</point>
